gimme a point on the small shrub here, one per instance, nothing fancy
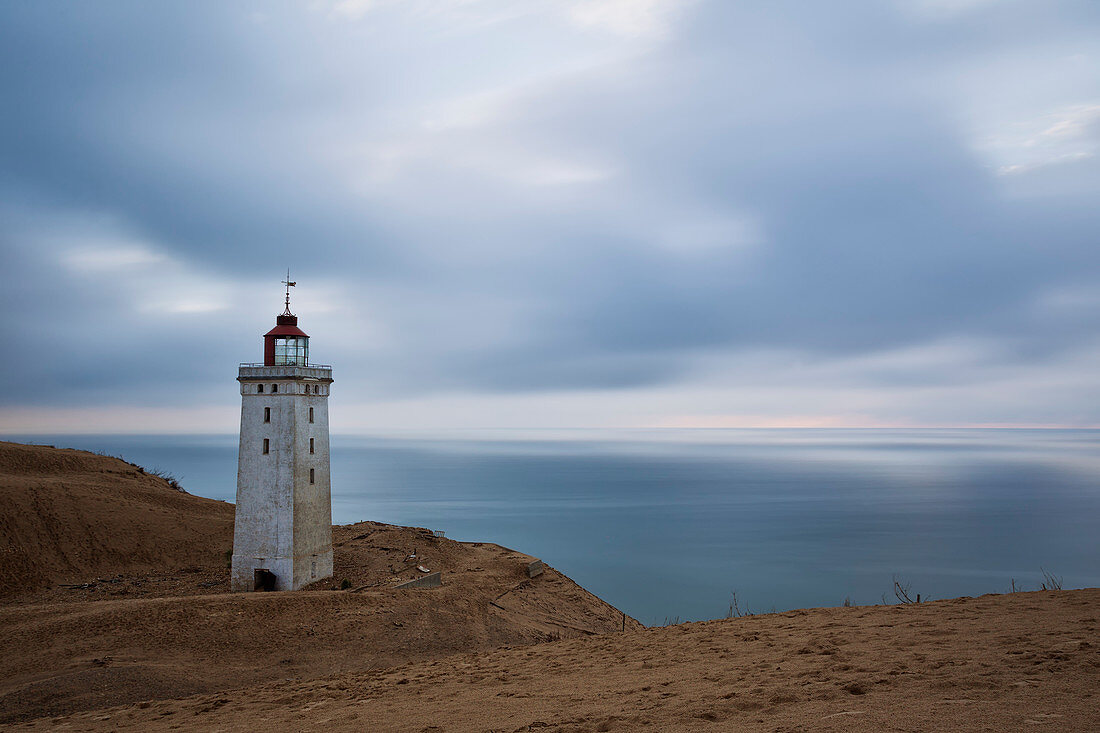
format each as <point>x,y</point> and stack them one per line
<point>1050,581</point>
<point>902,591</point>
<point>169,478</point>
<point>734,609</point>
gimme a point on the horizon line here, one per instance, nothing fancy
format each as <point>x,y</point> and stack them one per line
<point>5,433</point>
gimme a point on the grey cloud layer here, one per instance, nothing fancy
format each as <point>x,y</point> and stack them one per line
<point>525,205</point>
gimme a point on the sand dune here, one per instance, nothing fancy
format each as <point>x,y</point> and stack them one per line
<point>145,638</point>
<point>1028,661</point>
<point>67,515</point>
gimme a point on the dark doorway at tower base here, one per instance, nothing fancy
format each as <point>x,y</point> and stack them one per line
<point>265,580</point>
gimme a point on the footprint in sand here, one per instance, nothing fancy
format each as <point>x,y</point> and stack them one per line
<point>843,712</point>
<point>1042,718</point>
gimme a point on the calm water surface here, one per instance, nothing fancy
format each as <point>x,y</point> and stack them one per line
<point>666,524</point>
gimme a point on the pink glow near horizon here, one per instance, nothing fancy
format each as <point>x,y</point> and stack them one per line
<point>224,420</point>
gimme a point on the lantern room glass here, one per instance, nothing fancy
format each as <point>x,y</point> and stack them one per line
<point>292,350</point>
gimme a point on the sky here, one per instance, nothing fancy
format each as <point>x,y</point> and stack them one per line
<point>554,213</point>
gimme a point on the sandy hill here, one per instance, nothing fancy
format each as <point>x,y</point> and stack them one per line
<point>118,618</point>
<point>1026,661</point>
<point>118,592</point>
<point>67,515</point>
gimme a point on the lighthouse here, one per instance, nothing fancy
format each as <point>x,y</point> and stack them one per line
<point>282,534</point>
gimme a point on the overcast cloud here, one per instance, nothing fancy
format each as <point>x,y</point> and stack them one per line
<point>555,213</point>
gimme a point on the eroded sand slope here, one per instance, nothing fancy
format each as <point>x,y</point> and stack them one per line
<point>67,515</point>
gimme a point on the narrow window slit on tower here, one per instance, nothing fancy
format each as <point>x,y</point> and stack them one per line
<point>311,475</point>
<point>267,446</point>
<point>267,414</point>
<point>311,414</point>
<point>311,445</point>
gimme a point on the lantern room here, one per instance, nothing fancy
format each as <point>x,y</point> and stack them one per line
<point>286,344</point>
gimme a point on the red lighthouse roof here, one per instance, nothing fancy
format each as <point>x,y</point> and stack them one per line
<point>286,325</point>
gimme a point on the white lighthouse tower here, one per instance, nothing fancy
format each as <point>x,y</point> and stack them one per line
<point>282,537</point>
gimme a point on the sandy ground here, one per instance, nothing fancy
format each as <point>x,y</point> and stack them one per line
<point>1027,661</point>
<point>150,640</point>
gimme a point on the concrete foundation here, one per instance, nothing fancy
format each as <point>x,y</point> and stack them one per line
<point>428,581</point>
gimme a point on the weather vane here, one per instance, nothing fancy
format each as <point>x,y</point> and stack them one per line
<point>289,284</point>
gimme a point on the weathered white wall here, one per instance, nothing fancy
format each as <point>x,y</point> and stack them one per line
<point>283,523</point>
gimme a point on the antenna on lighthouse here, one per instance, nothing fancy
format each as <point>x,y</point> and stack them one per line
<point>289,284</point>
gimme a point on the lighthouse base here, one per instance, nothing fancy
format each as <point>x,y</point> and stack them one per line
<point>290,573</point>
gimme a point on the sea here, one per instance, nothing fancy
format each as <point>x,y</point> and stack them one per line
<point>672,525</point>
